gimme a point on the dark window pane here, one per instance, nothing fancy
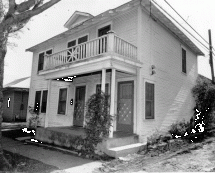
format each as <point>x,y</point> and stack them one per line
<point>37,101</point>
<point>149,103</point>
<point>49,52</point>
<point>83,39</point>
<point>62,101</point>
<point>44,101</point>
<point>103,31</point>
<point>71,43</point>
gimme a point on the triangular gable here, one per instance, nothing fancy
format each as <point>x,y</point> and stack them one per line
<point>76,19</point>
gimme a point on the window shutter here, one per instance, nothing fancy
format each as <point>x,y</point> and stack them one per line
<point>149,101</point>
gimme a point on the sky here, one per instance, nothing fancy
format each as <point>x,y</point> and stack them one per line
<point>200,14</point>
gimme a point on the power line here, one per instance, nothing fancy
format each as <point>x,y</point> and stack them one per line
<point>181,25</point>
<point>186,22</point>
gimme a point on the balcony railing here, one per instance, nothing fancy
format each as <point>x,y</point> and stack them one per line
<point>103,45</point>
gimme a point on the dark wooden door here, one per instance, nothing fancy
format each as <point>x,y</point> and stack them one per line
<point>125,106</point>
<point>79,106</point>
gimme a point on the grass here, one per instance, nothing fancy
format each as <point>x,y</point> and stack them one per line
<point>24,164</point>
<point>21,163</point>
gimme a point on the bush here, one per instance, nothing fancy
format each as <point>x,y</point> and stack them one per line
<point>179,129</point>
<point>204,95</point>
<point>98,121</point>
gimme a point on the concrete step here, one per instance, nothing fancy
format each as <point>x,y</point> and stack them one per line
<point>121,141</point>
<point>123,151</point>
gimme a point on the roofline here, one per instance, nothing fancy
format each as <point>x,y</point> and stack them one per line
<point>196,50</point>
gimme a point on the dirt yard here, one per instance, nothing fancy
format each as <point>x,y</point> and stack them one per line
<point>199,157</point>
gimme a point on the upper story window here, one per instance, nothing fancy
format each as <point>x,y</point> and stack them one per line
<point>41,59</point>
<point>184,61</point>
<point>104,30</point>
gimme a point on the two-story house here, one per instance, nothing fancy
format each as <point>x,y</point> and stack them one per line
<point>134,52</point>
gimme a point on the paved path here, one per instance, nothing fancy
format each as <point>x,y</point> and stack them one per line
<point>66,162</point>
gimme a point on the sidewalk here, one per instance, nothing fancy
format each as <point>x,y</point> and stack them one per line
<point>66,162</point>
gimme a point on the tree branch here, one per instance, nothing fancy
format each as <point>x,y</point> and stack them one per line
<point>27,5</point>
<point>23,17</point>
<point>12,7</point>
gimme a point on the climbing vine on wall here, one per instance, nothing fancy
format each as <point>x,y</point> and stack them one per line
<point>98,121</point>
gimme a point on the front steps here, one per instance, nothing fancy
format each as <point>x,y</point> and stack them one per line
<point>125,150</point>
<point>122,146</point>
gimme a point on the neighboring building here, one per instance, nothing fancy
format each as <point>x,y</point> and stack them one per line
<point>15,100</point>
<point>133,52</point>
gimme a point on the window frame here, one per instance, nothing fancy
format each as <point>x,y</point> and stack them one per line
<point>66,101</point>
<point>150,100</point>
<point>183,60</point>
<point>43,52</point>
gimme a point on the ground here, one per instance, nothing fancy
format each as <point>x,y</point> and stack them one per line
<point>198,157</point>
<point>195,157</point>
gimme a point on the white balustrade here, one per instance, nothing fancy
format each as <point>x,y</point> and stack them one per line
<point>106,44</point>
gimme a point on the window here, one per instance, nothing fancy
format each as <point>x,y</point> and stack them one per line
<point>149,100</point>
<point>8,102</point>
<point>62,101</point>
<point>41,59</point>
<point>83,39</point>
<point>184,57</point>
<point>39,102</point>
<point>98,88</point>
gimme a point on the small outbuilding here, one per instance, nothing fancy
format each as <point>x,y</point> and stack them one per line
<point>15,100</point>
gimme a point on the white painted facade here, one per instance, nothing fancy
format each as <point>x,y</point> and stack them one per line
<point>156,45</point>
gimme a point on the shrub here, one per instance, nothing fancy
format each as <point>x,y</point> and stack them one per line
<point>204,95</point>
<point>179,129</point>
<point>98,121</point>
<point>154,138</point>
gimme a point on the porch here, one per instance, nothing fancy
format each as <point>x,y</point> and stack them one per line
<point>120,145</point>
<point>106,54</point>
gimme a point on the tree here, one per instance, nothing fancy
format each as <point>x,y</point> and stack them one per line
<point>13,17</point>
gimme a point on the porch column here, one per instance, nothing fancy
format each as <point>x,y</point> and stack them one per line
<point>48,103</point>
<point>139,111</point>
<point>112,104</point>
<point>103,80</point>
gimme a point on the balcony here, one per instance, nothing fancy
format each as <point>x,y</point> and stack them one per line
<point>104,46</point>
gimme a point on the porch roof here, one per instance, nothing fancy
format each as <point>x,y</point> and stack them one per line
<point>147,5</point>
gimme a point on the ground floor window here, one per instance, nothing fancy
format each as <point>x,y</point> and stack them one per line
<point>62,101</point>
<point>149,101</point>
<point>40,99</point>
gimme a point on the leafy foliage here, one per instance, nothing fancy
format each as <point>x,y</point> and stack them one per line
<point>204,94</point>
<point>179,129</point>
<point>98,121</point>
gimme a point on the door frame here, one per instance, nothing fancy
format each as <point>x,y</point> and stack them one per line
<point>76,86</point>
<point>132,109</point>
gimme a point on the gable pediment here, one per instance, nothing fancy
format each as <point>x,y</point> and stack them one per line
<point>76,19</point>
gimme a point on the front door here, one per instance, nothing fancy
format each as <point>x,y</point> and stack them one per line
<point>79,106</point>
<point>125,106</point>
<point>103,42</point>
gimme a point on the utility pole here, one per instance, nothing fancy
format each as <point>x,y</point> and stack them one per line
<point>211,56</point>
